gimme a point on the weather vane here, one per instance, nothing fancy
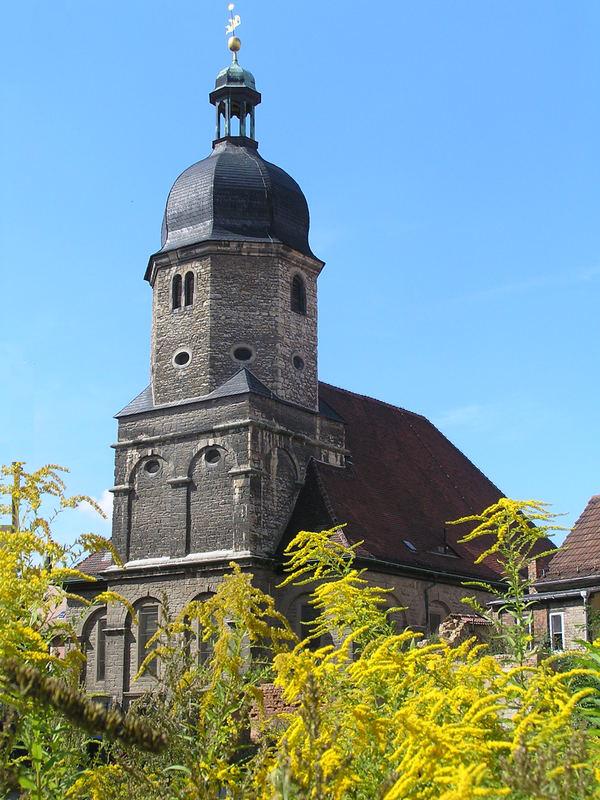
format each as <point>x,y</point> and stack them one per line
<point>233,43</point>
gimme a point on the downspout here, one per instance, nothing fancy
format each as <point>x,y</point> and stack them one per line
<point>586,611</point>
<point>426,604</point>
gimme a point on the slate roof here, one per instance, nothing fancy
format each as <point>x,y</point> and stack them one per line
<point>235,195</point>
<point>580,552</point>
<point>405,482</point>
<point>243,382</point>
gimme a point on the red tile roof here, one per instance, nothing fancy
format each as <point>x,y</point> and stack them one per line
<point>95,563</point>
<point>580,554</point>
<point>405,482</point>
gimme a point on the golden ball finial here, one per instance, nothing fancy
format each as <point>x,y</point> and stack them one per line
<point>234,43</point>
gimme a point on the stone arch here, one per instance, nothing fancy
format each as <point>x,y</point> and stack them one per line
<point>279,489</point>
<point>149,521</point>
<point>209,506</point>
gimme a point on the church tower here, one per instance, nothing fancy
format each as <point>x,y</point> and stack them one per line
<point>211,456</point>
<point>234,283</point>
<point>234,446</point>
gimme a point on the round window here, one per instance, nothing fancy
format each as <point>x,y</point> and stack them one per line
<point>298,362</point>
<point>212,455</point>
<point>152,466</point>
<point>182,358</point>
<point>242,354</point>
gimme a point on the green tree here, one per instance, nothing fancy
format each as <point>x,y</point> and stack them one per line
<point>516,531</point>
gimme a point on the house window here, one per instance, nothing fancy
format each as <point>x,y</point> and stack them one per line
<point>176,292</point>
<point>298,298</point>
<point>557,631</point>
<point>148,625</point>
<point>189,289</point>
<point>101,649</point>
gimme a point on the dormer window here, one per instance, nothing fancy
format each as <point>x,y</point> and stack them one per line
<point>189,289</point>
<point>444,550</point>
<point>298,298</point>
<point>176,292</point>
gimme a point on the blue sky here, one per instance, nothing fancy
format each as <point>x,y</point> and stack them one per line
<point>449,154</point>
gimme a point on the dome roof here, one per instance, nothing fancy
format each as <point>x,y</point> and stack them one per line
<point>235,195</point>
<point>235,75</point>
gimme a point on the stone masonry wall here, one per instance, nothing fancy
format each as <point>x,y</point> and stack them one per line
<point>242,501</point>
<point>185,583</point>
<point>241,299</point>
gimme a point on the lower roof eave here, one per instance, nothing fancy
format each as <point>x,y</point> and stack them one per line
<point>426,572</point>
<point>171,567</point>
<point>566,594</point>
<point>574,582</point>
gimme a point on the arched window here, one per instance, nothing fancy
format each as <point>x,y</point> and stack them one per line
<point>176,291</point>
<point>189,289</point>
<point>93,639</point>
<point>436,614</point>
<point>298,298</point>
<point>101,649</point>
<point>147,627</point>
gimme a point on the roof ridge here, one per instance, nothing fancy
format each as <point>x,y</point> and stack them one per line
<point>374,400</point>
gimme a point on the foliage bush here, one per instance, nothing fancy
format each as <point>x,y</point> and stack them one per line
<point>378,714</point>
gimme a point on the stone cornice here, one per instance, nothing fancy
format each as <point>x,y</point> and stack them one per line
<point>226,427</point>
<point>182,255</point>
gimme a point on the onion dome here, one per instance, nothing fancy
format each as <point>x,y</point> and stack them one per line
<point>234,194</point>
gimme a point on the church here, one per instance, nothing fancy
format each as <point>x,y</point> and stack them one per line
<point>235,445</point>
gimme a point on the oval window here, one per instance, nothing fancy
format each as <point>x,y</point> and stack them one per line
<point>298,362</point>
<point>182,358</point>
<point>212,455</point>
<point>152,466</point>
<point>242,354</point>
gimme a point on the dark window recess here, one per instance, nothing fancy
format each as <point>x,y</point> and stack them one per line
<point>189,288</point>
<point>242,354</point>
<point>205,649</point>
<point>152,466</point>
<point>212,455</point>
<point>101,650</point>
<point>148,625</point>
<point>435,620</point>
<point>298,298</point>
<point>176,292</point>
<point>298,362</point>
<point>308,615</point>
<point>181,359</point>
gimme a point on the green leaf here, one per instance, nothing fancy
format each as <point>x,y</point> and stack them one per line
<point>36,751</point>
<point>178,768</point>
<point>26,782</point>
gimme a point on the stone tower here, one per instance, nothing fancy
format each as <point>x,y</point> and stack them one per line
<point>211,455</point>
<point>234,447</point>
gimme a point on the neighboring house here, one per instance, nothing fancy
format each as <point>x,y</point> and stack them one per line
<point>567,587</point>
<point>235,445</point>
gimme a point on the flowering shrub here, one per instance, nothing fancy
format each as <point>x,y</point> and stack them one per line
<point>379,713</point>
